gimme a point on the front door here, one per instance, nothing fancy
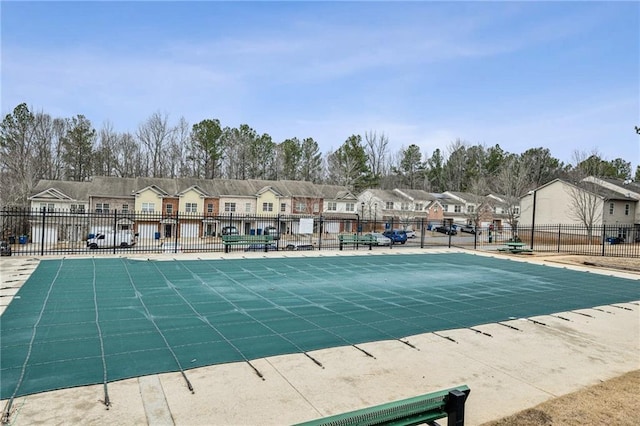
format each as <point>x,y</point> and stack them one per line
<point>168,228</point>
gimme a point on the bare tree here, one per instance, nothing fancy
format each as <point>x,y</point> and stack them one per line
<point>155,134</point>
<point>511,182</point>
<point>376,149</point>
<point>585,201</point>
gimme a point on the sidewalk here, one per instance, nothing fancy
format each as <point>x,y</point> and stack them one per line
<point>508,367</point>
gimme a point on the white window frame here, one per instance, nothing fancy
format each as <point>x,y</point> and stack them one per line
<point>332,206</point>
<point>267,207</point>
<point>389,205</point>
<point>148,207</point>
<point>191,207</point>
<point>229,207</point>
<point>350,207</point>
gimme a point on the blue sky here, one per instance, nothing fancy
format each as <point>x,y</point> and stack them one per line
<point>559,75</point>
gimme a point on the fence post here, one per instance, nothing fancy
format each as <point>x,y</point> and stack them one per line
<point>44,215</point>
<point>115,229</point>
<point>175,246</point>
<point>559,236</point>
<point>422,232</point>
<point>320,234</point>
<point>604,237</point>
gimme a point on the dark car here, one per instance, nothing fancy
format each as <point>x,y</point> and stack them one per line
<point>446,230</point>
<point>230,230</point>
<point>273,231</point>
<point>261,247</point>
<point>615,240</point>
<point>397,236</point>
<point>5,249</point>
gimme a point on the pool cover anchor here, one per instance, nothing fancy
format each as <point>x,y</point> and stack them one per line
<point>408,344</point>
<point>256,370</point>
<point>363,351</point>
<point>318,363</point>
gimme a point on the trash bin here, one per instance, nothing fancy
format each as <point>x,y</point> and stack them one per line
<point>259,231</point>
<point>91,236</point>
<point>12,240</point>
<point>252,232</point>
<point>22,239</point>
<point>157,236</point>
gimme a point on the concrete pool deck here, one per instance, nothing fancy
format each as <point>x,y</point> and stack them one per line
<point>508,367</point>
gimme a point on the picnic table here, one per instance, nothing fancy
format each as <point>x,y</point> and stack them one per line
<point>515,247</point>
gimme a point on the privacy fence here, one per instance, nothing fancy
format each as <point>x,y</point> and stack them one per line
<point>46,232</point>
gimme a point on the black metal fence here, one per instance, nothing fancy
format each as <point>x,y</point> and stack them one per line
<point>46,232</point>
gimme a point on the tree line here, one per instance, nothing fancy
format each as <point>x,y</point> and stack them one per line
<point>36,146</point>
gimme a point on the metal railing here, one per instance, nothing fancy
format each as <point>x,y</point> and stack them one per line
<point>44,232</point>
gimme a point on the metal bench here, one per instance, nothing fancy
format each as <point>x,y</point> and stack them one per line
<point>355,239</point>
<point>236,240</point>
<point>412,411</point>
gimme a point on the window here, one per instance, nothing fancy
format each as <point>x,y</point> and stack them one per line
<point>332,206</point>
<point>229,207</point>
<point>389,205</point>
<point>610,208</point>
<point>77,208</point>
<point>301,206</point>
<point>191,207</point>
<point>102,207</point>
<point>148,207</point>
<point>168,208</point>
<point>267,207</point>
<point>316,207</point>
<point>516,209</point>
<point>209,209</point>
<point>626,209</point>
<point>350,207</point>
<point>418,207</point>
<point>125,208</point>
<point>457,208</point>
<point>283,207</point>
<point>445,207</point>
<point>470,209</point>
<point>247,207</point>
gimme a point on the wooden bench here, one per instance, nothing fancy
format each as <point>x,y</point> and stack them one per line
<point>355,239</point>
<point>236,240</point>
<point>412,411</point>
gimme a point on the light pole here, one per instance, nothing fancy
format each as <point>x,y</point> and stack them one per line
<point>375,216</point>
<point>362,212</point>
<point>533,218</point>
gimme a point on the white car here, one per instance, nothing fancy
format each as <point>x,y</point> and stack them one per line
<point>410,233</point>
<point>380,240</point>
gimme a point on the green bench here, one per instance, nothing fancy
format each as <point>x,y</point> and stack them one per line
<point>515,247</point>
<point>237,240</point>
<point>412,411</point>
<point>355,239</point>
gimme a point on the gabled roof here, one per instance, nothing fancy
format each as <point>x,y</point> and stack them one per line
<point>386,195</point>
<point>416,194</point>
<point>61,190</point>
<point>268,188</point>
<point>588,186</point>
<point>195,188</point>
<point>153,188</point>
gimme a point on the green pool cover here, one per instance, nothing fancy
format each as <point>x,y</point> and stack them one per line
<point>92,321</point>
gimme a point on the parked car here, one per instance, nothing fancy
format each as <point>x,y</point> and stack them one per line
<point>112,239</point>
<point>261,247</point>
<point>380,240</point>
<point>273,231</point>
<point>299,246</point>
<point>397,236</point>
<point>229,230</point>
<point>5,248</point>
<point>410,233</point>
<point>615,240</point>
<point>446,230</point>
<point>468,229</point>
